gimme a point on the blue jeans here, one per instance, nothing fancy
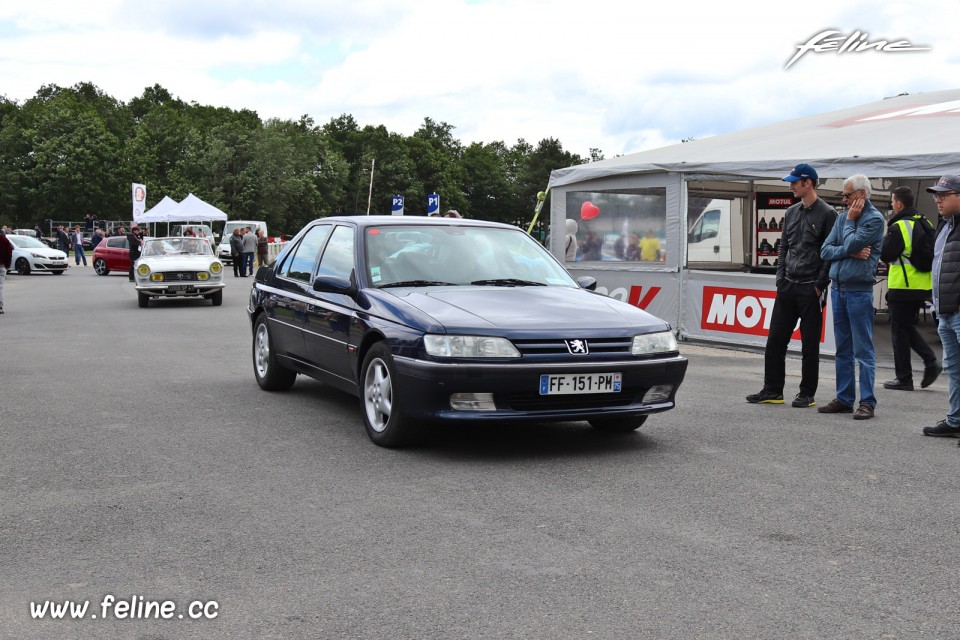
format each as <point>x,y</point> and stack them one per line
<point>78,253</point>
<point>949,330</point>
<point>853,330</point>
<point>247,268</point>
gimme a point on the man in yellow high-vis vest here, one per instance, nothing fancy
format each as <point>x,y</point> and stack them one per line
<point>908,289</point>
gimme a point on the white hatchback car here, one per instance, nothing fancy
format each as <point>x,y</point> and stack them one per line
<point>178,267</point>
<point>29,254</point>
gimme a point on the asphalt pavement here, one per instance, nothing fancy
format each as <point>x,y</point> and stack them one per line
<point>141,463</point>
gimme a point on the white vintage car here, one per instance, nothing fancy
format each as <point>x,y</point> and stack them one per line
<point>178,267</point>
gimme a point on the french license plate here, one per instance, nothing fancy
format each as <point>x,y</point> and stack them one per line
<point>180,287</point>
<point>567,383</point>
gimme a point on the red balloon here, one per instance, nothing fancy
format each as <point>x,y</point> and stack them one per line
<point>589,211</point>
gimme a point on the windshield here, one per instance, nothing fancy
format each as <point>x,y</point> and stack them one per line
<point>26,242</point>
<point>176,247</point>
<point>459,254</point>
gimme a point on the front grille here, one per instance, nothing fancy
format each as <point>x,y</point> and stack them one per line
<point>179,276</point>
<point>527,401</point>
<point>552,347</point>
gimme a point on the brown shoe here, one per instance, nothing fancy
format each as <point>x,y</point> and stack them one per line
<point>863,412</point>
<point>835,406</point>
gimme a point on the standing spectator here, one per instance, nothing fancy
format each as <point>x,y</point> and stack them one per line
<point>236,250</point>
<point>38,232</point>
<point>96,239</point>
<point>650,247</point>
<point>570,246</point>
<point>802,281</point>
<point>263,247</point>
<point>249,249</point>
<point>853,249</point>
<point>88,221</point>
<point>63,240</point>
<point>946,297</point>
<point>77,240</point>
<point>6,259</point>
<point>135,242</point>
<point>909,288</point>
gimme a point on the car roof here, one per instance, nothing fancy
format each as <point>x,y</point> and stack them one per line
<point>411,221</point>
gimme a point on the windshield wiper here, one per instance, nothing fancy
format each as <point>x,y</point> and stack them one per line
<point>508,282</point>
<point>419,283</point>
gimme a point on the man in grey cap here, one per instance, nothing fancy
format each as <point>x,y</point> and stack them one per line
<point>946,297</point>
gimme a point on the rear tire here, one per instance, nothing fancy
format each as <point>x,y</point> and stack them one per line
<point>143,300</point>
<point>217,298</point>
<point>618,425</point>
<point>100,266</point>
<point>23,266</point>
<point>270,374</point>
<point>382,418</point>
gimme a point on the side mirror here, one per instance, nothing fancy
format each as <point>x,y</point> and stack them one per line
<point>587,282</point>
<point>334,284</point>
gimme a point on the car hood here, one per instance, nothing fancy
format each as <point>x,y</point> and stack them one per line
<point>527,308</point>
<point>46,252</point>
<point>178,263</point>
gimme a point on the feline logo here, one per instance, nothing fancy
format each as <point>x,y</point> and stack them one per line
<point>577,347</point>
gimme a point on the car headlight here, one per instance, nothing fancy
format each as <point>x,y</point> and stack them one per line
<point>469,347</point>
<point>143,270</point>
<point>216,267</point>
<point>157,277</point>
<point>648,343</point>
<point>37,255</point>
<point>203,275</point>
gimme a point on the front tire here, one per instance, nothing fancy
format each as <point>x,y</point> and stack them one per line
<point>100,266</point>
<point>143,300</point>
<point>382,418</point>
<point>270,374</point>
<point>618,425</point>
<point>23,266</point>
<point>217,298</point>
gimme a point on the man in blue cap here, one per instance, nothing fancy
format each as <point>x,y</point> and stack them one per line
<point>946,297</point>
<point>802,281</point>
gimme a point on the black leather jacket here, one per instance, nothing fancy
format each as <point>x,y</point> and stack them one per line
<point>804,231</point>
<point>946,271</point>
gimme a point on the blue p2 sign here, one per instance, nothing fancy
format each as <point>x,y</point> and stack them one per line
<point>397,207</point>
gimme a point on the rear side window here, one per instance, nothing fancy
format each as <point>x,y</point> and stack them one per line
<point>117,242</point>
<point>337,259</point>
<point>300,265</point>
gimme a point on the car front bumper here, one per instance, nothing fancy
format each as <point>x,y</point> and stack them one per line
<point>424,389</point>
<point>178,289</point>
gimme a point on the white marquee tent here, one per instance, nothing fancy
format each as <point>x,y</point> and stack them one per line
<point>905,140</point>
<point>190,209</point>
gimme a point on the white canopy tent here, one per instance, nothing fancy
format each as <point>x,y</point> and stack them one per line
<point>157,212</point>
<point>190,209</point>
<point>905,140</point>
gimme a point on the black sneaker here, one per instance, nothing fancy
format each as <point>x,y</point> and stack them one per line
<point>803,401</point>
<point>942,430</point>
<point>765,397</point>
<point>898,384</point>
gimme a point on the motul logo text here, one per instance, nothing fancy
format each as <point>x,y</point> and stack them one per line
<point>744,311</point>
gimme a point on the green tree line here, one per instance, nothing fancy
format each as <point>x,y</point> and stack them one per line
<point>71,151</point>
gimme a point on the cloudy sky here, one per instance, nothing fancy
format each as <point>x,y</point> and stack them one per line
<point>618,76</point>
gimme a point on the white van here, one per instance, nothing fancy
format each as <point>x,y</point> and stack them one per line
<point>223,250</point>
<point>711,238</point>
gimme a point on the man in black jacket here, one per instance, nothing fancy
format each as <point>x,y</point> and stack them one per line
<point>908,288</point>
<point>135,242</point>
<point>802,281</point>
<point>946,297</point>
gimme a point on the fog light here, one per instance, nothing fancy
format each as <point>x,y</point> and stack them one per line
<point>472,402</point>
<point>156,277</point>
<point>658,393</point>
<point>203,275</point>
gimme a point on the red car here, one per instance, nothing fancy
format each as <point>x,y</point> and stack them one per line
<point>112,254</point>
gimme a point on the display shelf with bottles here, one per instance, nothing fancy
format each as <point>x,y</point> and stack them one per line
<point>768,224</point>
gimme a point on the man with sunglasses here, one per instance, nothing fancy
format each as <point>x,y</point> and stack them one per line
<point>853,249</point>
<point>946,297</point>
<point>801,282</point>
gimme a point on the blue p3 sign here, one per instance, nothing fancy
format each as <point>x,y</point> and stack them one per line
<point>397,207</point>
<point>433,205</point>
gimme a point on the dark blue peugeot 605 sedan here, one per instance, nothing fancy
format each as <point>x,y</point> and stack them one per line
<point>441,319</point>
